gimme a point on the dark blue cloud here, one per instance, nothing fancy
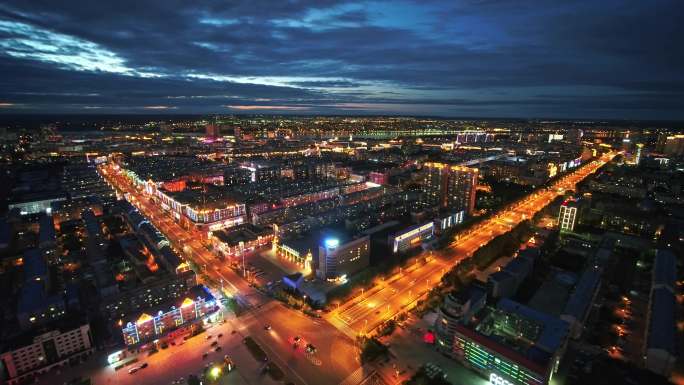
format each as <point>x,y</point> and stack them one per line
<point>609,59</point>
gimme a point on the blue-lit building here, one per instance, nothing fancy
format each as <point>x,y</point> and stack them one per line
<point>332,253</point>
<point>340,256</point>
<point>198,305</point>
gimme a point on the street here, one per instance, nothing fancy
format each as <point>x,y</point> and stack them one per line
<point>336,356</point>
<point>367,311</point>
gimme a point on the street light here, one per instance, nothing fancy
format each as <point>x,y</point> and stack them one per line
<point>244,271</point>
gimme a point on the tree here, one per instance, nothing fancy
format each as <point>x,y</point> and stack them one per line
<point>371,349</point>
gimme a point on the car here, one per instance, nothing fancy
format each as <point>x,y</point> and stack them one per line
<point>267,327</point>
<point>133,370</point>
<point>297,339</point>
<point>310,348</point>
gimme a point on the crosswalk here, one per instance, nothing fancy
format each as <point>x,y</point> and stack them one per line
<point>358,376</point>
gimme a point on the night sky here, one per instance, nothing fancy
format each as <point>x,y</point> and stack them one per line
<point>482,58</point>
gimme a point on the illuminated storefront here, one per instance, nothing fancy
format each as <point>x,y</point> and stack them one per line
<point>198,305</point>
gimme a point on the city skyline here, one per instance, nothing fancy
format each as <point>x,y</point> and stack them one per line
<point>341,192</point>
<point>608,60</point>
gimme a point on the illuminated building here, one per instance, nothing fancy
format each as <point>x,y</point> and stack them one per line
<point>240,239</point>
<point>34,203</point>
<point>262,171</point>
<point>449,187</point>
<point>567,215</point>
<point>198,305</point>
<point>458,308</point>
<point>296,200</point>
<point>338,257</point>
<point>512,344</point>
<point>293,252</point>
<point>213,131</point>
<point>509,168</point>
<point>45,352</point>
<point>412,237</point>
<point>378,177</point>
<point>207,209</point>
<point>637,159</point>
<point>448,220</point>
<point>332,253</point>
<point>73,208</point>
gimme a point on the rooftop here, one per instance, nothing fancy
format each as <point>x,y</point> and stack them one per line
<point>580,299</point>
<point>661,333</point>
<point>35,265</point>
<point>665,269</point>
<point>553,329</point>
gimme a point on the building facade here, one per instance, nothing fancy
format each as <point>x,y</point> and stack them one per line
<point>337,260</point>
<point>46,351</point>
<point>154,323</point>
<point>567,216</point>
<point>449,187</point>
<point>412,237</point>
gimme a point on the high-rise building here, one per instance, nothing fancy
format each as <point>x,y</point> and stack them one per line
<point>340,257</point>
<point>450,187</point>
<point>637,158</point>
<point>213,131</point>
<point>457,308</point>
<point>567,215</point>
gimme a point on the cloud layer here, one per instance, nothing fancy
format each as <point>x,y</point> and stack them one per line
<point>527,58</point>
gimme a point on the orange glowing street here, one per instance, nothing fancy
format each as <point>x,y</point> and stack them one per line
<point>399,293</point>
<point>187,242</point>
